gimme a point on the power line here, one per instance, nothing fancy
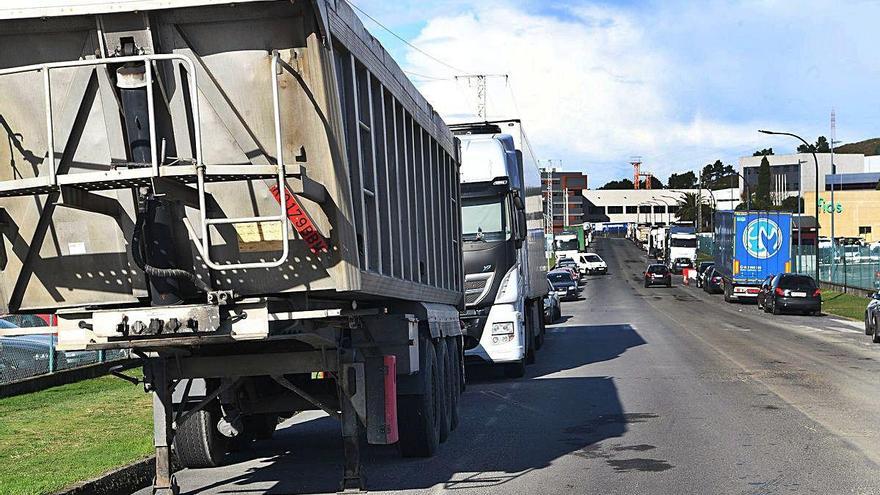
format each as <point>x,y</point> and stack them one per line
<point>392,33</point>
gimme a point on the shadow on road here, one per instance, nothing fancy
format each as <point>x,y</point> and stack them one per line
<point>508,428</point>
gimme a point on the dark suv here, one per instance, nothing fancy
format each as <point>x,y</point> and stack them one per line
<point>793,292</point>
<point>658,275</point>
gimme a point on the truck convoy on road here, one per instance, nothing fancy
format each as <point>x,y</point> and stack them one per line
<point>751,245</point>
<point>255,199</point>
<point>503,241</point>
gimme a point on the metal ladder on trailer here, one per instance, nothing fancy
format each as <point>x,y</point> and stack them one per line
<point>182,174</point>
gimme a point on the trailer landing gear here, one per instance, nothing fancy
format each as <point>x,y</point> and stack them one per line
<point>163,433</point>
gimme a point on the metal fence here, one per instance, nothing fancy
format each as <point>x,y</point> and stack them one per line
<point>849,266</point>
<point>28,348</point>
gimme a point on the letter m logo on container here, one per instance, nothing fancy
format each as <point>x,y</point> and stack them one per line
<point>763,244</point>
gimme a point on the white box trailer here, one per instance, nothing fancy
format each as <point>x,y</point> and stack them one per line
<point>250,195</point>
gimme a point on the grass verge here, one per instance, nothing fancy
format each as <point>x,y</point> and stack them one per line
<point>845,305</point>
<point>59,436</point>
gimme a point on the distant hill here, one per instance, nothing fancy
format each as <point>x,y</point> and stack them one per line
<point>867,147</point>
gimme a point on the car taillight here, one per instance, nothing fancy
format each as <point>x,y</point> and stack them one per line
<point>817,293</point>
<point>779,292</point>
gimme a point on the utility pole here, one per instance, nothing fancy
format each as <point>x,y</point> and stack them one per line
<point>480,81</point>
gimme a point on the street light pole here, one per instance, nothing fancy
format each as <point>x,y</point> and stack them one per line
<point>816,162</point>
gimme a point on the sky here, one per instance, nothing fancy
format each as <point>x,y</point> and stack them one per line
<point>677,83</point>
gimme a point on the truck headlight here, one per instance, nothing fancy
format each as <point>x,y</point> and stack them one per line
<point>508,291</point>
<point>502,332</point>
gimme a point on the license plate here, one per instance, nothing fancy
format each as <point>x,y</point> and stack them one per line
<point>798,294</point>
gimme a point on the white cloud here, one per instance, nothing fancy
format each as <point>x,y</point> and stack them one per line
<point>592,85</point>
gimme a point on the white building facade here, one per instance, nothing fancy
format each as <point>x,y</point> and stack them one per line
<point>657,206</point>
<point>793,174</point>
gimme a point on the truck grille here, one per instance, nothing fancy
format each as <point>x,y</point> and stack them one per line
<point>475,286</point>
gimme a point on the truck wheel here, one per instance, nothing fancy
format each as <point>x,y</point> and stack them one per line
<point>443,372</point>
<point>419,415</point>
<point>197,443</point>
<point>454,381</point>
<point>727,293</point>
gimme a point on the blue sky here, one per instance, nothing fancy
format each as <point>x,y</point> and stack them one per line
<point>678,83</point>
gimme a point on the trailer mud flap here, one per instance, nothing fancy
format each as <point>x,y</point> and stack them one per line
<point>381,378</point>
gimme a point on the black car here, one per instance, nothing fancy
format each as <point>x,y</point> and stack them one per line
<point>702,268</point>
<point>658,275</point>
<point>566,288</point>
<point>713,283</point>
<point>766,288</point>
<point>793,292</point>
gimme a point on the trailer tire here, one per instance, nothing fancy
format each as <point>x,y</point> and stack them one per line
<point>727,298</point>
<point>454,381</point>
<point>445,391</point>
<point>418,418</point>
<point>542,326</point>
<point>197,443</point>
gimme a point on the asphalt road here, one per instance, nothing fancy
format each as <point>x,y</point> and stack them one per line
<point>660,391</point>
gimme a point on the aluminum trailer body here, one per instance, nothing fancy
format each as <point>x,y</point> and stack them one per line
<point>251,191</point>
<point>749,246</point>
<point>503,239</point>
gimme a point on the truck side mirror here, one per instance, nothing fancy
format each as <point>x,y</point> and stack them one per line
<point>518,202</point>
<point>521,227</point>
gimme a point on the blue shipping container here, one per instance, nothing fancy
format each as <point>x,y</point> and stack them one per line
<point>750,245</point>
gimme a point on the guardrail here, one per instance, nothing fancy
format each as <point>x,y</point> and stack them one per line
<point>26,352</point>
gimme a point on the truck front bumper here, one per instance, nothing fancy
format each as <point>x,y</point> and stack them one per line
<point>500,348</point>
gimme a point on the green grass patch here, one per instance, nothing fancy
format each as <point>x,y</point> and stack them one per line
<point>845,305</point>
<point>59,436</point>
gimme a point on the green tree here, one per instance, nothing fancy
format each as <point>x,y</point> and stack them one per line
<point>618,184</point>
<point>822,146</point>
<point>763,152</point>
<point>687,208</point>
<point>687,180</point>
<point>719,176</point>
<point>762,199</point>
<point>655,183</point>
<point>793,204</point>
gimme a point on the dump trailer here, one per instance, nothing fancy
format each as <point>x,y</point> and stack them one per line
<point>503,236</point>
<point>749,246</point>
<point>249,195</point>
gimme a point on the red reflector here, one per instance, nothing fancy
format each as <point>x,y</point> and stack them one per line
<point>301,221</point>
<point>391,398</point>
<point>817,293</point>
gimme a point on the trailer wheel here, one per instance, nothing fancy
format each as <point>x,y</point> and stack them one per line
<point>539,339</point>
<point>418,415</point>
<point>454,383</point>
<point>444,373</point>
<point>197,443</point>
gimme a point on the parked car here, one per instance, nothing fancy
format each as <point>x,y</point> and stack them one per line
<point>594,264</point>
<point>872,314</point>
<point>552,311</point>
<point>658,274</point>
<point>766,288</point>
<point>679,264</point>
<point>793,292</point>
<point>702,268</point>
<point>713,282</point>
<point>563,285</point>
<point>570,264</point>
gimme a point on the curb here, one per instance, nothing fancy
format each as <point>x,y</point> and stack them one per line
<point>121,481</point>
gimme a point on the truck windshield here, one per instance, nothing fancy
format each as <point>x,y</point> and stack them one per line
<point>484,219</point>
<point>684,243</point>
<point>567,244</point>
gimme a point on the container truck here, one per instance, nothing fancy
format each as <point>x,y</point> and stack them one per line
<point>503,240</point>
<point>749,246</point>
<point>253,198</point>
<point>570,242</point>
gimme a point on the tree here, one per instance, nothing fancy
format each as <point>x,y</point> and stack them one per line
<point>719,176</point>
<point>618,184</point>
<point>821,146</point>
<point>762,199</point>
<point>687,180</point>
<point>687,208</point>
<point>793,204</point>
<point>763,152</point>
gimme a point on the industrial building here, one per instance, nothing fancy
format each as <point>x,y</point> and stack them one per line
<point>568,206</point>
<point>658,206</point>
<point>855,205</point>
<point>791,175</point>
